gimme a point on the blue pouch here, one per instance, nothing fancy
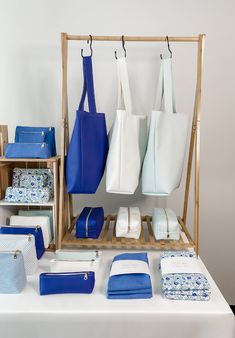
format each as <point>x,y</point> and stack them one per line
<point>88,148</point>
<point>12,272</point>
<point>90,222</point>
<point>67,282</point>
<point>132,285</point>
<point>35,231</point>
<point>37,135</point>
<point>27,150</point>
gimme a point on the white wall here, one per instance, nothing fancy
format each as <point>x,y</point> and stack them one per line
<point>30,87</point>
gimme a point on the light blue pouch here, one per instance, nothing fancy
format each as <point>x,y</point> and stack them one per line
<point>12,272</point>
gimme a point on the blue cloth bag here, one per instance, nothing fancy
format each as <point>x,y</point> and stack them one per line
<point>88,147</point>
<point>67,282</point>
<point>27,150</point>
<point>35,231</point>
<point>130,286</point>
<point>90,222</point>
<point>12,272</point>
<point>36,135</point>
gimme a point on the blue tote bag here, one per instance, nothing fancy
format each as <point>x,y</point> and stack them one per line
<point>88,147</point>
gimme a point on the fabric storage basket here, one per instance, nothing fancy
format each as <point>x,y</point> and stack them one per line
<point>47,174</point>
<point>29,221</point>
<point>128,223</point>
<point>12,272</point>
<point>23,195</point>
<point>90,222</point>
<point>24,243</point>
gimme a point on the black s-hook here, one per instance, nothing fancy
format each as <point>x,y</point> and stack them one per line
<point>123,46</point>
<point>168,46</point>
<point>90,40</point>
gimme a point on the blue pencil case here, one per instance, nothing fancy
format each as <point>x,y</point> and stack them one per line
<point>36,231</point>
<point>67,282</point>
<point>90,222</point>
<point>28,150</point>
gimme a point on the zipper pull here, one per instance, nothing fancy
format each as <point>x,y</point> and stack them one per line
<point>92,262</point>
<point>30,238</point>
<point>85,276</point>
<point>43,133</point>
<point>97,254</point>
<point>16,253</point>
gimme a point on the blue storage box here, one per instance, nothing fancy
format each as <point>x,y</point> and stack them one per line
<point>90,222</point>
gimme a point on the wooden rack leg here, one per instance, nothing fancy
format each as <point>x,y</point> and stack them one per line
<point>64,44</point>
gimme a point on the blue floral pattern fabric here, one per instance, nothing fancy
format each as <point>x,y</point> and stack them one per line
<point>23,195</point>
<point>47,180</point>
<point>184,286</point>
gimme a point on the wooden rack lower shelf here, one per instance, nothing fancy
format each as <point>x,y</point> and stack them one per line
<point>147,241</point>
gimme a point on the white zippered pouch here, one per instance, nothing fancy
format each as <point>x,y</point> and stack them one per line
<point>165,224</point>
<point>42,221</point>
<point>25,244</point>
<point>128,223</point>
<point>74,261</point>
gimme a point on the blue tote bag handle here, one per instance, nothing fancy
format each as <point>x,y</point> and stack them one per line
<point>88,86</point>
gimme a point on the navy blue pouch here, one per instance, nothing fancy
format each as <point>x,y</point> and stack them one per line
<point>36,231</point>
<point>28,150</point>
<point>90,222</point>
<point>66,282</point>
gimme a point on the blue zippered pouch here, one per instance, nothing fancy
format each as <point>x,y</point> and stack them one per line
<point>90,222</point>
<point>28,150</point>
<point>35,231</point>
<point>67,282</point>
<point>36,135</point>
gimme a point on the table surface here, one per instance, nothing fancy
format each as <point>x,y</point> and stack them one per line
<point>61,313</point>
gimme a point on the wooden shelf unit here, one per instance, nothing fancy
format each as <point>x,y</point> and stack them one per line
<point>9,208</point>
<point>66,218</point>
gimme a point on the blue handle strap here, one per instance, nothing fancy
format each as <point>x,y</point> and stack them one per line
<point>88,86</point>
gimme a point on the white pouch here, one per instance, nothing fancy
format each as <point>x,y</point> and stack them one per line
<point>74,261</point>
<point>42,221</point>
<point>128,223</point>
<point>165,224</point>
<point>167,140</point>
<point>128,139</point>
<point>25,244</point>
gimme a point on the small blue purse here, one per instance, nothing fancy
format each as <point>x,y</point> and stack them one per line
<point>12,272</point>
<point>36,231</point>
<point>67,282</point>
<point>27,150</point>
<point>37,135</point>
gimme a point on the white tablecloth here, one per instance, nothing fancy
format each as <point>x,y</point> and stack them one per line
<point>29,315</point>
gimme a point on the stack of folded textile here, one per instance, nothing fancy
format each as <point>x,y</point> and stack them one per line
<point>129,277</point>
<point>182,277</point>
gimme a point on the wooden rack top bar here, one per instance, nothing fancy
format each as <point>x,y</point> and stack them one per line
<point>134,38</point>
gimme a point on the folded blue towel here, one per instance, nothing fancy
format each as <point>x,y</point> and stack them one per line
<point>130,285</point>
<point>184,286</point>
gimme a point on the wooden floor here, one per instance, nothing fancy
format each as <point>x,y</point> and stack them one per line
<point>146,241</point>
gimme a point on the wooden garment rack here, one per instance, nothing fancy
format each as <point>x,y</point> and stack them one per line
<point>108,239</point>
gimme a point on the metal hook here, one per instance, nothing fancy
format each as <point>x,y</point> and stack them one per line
<point>123,46</point>
<point>168,46</point>
<point>90,40</point>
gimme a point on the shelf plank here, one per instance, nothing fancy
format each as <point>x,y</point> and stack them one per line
<point>48,204</point>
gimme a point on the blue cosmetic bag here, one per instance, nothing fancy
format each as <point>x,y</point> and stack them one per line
<point>67,282</point>
<point>35,231</point>
<point>37,135</point>
<point>27,150</point>
<point>90,222</point>
<point>12,272</point>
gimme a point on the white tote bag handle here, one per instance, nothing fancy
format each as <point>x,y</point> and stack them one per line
<point>165,90</point>
<point>123,85</point>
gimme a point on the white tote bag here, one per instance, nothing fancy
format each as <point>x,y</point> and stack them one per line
<point>25,244</point>
<point>128,138</point>
<point>168,130</point>
<point>29,221</point>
